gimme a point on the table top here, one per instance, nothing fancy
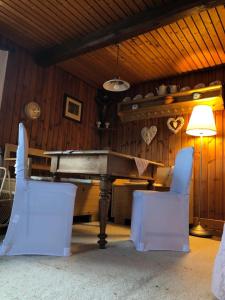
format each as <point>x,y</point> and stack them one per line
<point>96,152</point>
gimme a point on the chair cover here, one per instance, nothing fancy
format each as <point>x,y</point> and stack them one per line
<point>160,220</point>
<point>218,278</point>
<point>42,213</point>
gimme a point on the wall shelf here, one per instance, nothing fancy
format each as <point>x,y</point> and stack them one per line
<point>104,128</point>
<point>183,103</point>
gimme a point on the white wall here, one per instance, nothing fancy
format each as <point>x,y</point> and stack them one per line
<point>3,64</point>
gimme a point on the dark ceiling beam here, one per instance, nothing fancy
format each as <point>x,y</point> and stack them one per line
<point>117,32</point>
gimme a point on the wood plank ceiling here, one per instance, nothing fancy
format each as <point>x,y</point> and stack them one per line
<point>191,43</point>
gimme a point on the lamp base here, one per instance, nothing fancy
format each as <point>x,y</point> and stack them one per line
<point>200,231</point>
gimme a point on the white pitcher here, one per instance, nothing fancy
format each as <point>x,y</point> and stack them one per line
<point>173,88</point>
<point>161,90</point>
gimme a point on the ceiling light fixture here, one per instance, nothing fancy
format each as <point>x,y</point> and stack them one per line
<point>116,84</point>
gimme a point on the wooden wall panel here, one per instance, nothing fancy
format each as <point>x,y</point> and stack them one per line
<point>25,81</point>
<point>127,139</point>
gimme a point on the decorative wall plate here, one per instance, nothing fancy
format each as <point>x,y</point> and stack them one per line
<point>175,125</point>
<point>126,99</point>
<point>199,86</point>
<point>32,110</point>
<point>138,97</point>
<point>149,95</point>
<point>148,134</point>
<point>216,82</point>
<point>185,88</point>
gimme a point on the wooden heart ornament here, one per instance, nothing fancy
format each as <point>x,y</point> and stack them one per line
<point>175,125</point>
<point>148,134</point>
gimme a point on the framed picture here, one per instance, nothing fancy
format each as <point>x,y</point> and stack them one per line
<point>72,108</point>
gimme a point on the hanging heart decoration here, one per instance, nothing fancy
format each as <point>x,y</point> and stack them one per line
<point>175,125</point>
<point>148,134</point>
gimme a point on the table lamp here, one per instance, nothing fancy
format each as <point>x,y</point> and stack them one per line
<point>202,123</point>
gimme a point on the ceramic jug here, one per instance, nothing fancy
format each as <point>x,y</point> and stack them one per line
<point>161,90</point>
<point>173,88</point>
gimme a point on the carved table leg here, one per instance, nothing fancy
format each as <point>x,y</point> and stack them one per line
<point>105,195</point>
<point>150,184</point>
<point>153,174</point>
<point>54,168</point>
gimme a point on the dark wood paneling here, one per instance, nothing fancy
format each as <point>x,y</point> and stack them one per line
<point>25,81</point>
<point>127,139</point>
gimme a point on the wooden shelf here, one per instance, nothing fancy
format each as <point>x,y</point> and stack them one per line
<point>183,103</point>
<point>104,128</point>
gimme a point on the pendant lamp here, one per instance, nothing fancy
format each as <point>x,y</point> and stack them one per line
<point>116,84</point>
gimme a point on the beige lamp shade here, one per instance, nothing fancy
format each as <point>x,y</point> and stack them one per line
<point>116,85</point>
<point>202,122</point>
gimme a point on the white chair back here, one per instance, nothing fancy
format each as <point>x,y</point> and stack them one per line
<point>182,171</point>
<point>22,154</point>
<point>42,213</point>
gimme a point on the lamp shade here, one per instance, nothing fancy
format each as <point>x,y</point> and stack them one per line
<point>116,85</point>
<point>202,122</point>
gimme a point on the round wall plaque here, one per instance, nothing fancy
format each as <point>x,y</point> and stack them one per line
<point>32,110</point>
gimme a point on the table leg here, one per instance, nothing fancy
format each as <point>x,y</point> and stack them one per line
<point>54,168</point>
<point>56,177</point>
<point>105,195</point>
<point>153,174</point>
<point>150,184</point>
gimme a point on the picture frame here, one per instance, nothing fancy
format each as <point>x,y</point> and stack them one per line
<point>72,108</point>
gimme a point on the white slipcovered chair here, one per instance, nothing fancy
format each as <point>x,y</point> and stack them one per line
<point>160,220</point>
<point>218,278</point>
<point>42,212</point>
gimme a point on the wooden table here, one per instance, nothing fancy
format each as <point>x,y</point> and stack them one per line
<point>103,164</point>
